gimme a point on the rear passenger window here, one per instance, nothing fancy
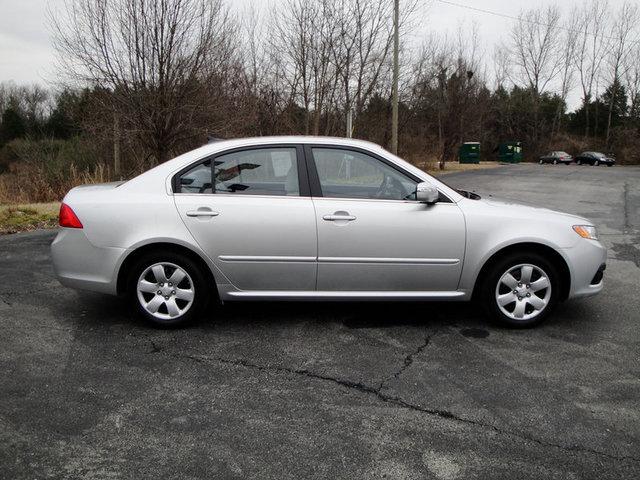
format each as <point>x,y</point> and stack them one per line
<point>264,171</point>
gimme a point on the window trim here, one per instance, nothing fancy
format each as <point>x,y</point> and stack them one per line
<point>314,178</point>
<point>303,177</point>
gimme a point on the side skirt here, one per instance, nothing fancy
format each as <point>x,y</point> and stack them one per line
<point>329,296</point>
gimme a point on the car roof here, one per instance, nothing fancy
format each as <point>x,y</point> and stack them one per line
<point>277,139</point>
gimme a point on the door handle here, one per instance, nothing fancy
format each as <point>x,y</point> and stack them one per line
<point>335,218</point>
<point>202,213</point>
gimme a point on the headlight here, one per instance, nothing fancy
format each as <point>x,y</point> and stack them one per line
<point>586,231</point>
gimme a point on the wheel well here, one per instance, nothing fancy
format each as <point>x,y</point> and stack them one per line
<point>133,257</point>
<point>549,253</point>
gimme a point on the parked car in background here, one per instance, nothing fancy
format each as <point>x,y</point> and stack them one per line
<point>317,218</point>
<point>595,159</point>
<point>556,157</point>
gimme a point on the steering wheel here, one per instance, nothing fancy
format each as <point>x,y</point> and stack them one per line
<point>390,189</point>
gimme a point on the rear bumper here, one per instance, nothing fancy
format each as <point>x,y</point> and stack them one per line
<point>80,264</point>
<point>586,259</point>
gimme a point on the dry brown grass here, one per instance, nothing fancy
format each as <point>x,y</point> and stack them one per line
<point>31,184</point>
<point>20,218</point>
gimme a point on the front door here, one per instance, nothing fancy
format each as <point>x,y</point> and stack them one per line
<point>250,212</point>
<point>373,235</point>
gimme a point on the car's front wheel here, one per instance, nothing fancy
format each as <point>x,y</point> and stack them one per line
<point>168,289</point>
<point>596,163</point>
<point>520,290</point>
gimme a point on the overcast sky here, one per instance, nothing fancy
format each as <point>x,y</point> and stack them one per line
<point>26,55</point>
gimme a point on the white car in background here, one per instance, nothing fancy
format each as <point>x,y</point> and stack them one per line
<point>316,218</point>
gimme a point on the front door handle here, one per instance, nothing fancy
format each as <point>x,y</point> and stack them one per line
<point>339,216</point>
<point>202,213</point>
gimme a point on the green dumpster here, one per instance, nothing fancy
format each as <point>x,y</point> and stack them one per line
<point>510,152</point>
<point>469,152</point>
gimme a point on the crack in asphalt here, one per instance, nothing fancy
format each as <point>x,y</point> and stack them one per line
<point>408,360</point>
<point>394,400</point>
<point>5,301</point>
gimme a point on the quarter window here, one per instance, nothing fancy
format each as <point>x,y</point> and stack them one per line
<point>352,174</point>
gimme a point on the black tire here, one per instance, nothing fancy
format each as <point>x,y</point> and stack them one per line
<point>541,161</point>
<point>609,164</point>
<point>579,162</point>
<point>194,271</point>
<point>555,162</point>
<point>596,163</point>
<point>487,290</point>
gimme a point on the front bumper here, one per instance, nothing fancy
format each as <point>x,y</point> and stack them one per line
<point>80,264</point>
<point>585,260</point>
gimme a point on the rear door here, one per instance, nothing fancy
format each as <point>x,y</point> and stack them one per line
<point>249,209</point>
<point>372,233</point>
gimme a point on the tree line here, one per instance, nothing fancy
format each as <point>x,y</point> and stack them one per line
<point>145,80</point>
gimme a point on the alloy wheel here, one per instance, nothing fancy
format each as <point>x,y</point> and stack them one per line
<point>165,291</point>
<point>523,292</point>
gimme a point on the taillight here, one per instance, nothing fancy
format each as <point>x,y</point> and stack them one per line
<point>68,217</point>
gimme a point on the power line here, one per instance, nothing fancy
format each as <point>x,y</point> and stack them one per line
<point>523,19</point>
<point>482,10</point>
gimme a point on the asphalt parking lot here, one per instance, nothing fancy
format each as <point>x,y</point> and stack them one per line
<point>291,391</point>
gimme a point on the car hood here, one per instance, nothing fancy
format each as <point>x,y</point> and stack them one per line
<point>532,210</point>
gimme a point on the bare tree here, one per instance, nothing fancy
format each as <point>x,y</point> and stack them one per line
<point>624,36</point>
<point>305,35</point>
<point>448,77</point>
<point>567,51</point>
<point>592,47</point>
<point>632,80</point>
<point>154,59</point>
<point>362,47</point>
<point>534,49</point>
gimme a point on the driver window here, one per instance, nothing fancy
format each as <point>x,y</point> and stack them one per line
<point>351,174</point>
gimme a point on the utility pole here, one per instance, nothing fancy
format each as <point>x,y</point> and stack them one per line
<point>394,100</point>
<point>349,123</point>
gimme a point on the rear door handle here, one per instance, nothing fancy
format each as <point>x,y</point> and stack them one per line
<point>202,213</point>
<point>335,218</point>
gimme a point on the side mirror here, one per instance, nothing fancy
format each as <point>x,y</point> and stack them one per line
<point>427,193</point>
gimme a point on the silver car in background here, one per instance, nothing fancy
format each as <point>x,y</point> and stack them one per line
<point>316,218</point>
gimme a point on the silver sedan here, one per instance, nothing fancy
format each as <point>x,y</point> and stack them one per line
<point>305,218</point>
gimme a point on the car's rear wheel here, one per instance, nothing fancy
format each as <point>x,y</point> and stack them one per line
<point>520,290</point>
<point>609,164</point>
<point>168,289</point>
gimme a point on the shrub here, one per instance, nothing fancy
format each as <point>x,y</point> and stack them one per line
<point>44,170</point>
